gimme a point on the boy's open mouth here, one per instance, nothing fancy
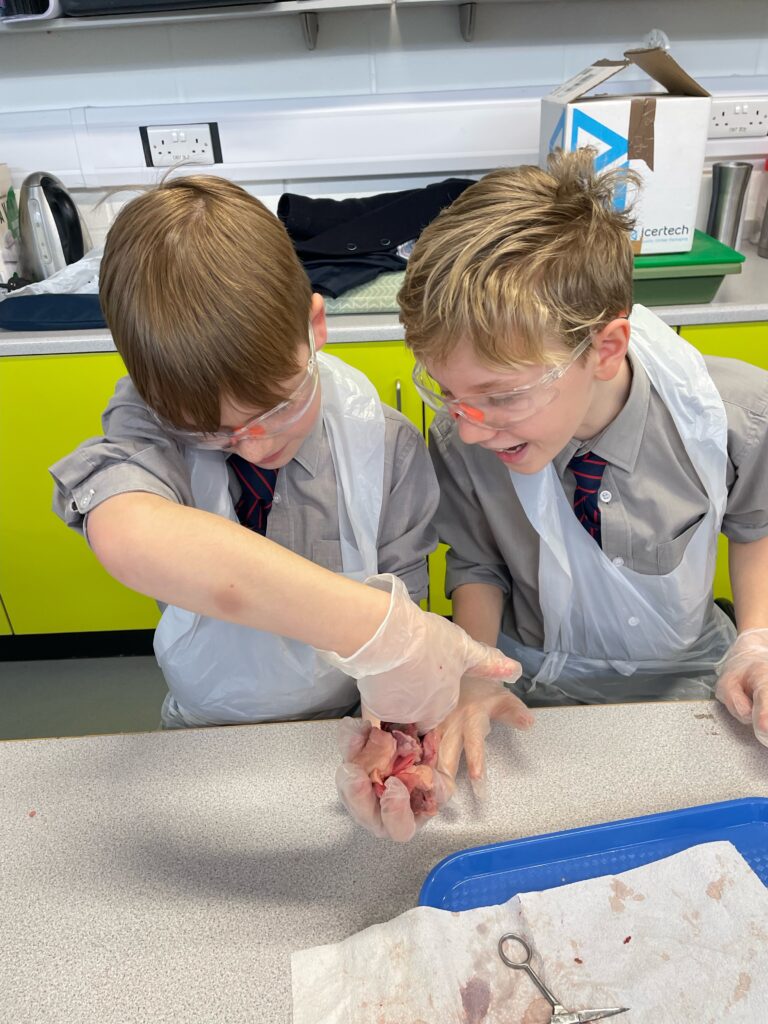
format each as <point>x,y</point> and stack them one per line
<point>511,454</point>
<point>511,450</point>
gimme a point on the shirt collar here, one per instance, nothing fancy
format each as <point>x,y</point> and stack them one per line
<point>620,442</point>
<point>308,456</point>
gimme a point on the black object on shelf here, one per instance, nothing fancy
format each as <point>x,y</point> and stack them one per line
<point>96,8</point>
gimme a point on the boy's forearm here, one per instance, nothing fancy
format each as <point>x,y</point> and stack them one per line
<point>214,567</point>
<point>477,608</point>
<point>748,566</point>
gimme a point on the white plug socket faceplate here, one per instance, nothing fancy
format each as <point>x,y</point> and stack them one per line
<point>741,117</point>
<point>171,144</point>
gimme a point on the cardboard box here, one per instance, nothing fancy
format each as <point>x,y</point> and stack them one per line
<point>662,136</point>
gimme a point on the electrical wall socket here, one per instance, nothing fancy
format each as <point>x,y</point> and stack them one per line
<point>170,144</point>
<point>738,118</point>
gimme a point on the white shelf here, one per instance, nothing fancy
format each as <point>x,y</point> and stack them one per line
<point>308,10</point>
<point>263,10</point>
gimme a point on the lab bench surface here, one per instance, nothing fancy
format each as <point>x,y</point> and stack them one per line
<point>742,298</point>
<point>167,877</point>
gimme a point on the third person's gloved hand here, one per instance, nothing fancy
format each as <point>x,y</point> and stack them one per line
<point>410,669</point>
<point>481,702</point>
<point>743,681</point>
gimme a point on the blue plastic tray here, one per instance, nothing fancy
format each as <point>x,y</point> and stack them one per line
<point>486,875</point>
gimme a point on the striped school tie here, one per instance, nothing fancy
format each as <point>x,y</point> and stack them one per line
<point>588,471</point>
<point>257,491</point>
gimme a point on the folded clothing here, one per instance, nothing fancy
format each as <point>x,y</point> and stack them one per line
<point>345,242</point>
<point>51,313</point>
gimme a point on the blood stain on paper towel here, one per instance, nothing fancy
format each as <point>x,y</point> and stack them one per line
<point>621,893</point>
<point>715,889</point>
<point>578,960</point>
<point>538,1012</point>
<point>628,939</point>
<point>32,814</point>
<point>743,986</point>
<point>475,998</point>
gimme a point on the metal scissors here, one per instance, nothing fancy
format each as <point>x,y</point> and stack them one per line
<point>559,1013</point>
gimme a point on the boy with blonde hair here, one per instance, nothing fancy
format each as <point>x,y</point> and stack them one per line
<point>250,483</point>
<point>587,456</point>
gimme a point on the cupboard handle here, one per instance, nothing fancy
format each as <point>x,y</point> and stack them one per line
<point>398,396</point>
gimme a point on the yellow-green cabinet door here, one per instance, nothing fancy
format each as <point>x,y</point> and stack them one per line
<point>49,579</point>
<point>438,602</point>
<point>389,367</point>
<point>748,342</point>
<point>5,624</point>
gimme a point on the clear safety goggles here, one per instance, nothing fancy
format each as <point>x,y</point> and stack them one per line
<point>498,410</point>
<point>267,424</point>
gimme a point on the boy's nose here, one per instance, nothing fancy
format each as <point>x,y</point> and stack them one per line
<point>253,451</point>
<point>472,433</point>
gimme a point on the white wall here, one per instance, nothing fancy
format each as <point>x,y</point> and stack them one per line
<point>519,45</point>
<point>381,103</point>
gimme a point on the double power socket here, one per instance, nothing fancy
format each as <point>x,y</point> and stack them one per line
<point>740,117</point>
<point>171,144</point>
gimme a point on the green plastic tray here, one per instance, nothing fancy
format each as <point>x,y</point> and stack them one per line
<point>678,278</point>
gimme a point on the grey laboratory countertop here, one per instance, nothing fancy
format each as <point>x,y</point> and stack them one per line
<point>167,877</point>
<point>742,298</point>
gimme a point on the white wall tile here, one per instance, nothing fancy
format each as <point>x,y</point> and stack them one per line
<point>253,59</point>
<point>762,33</point>
<point>75,68</point>
<point>40,141</point>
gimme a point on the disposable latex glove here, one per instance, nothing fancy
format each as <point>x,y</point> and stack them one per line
<point>743,681</point>
<point>367,751</point>
<point>481,702</point>
<point>410,669</point>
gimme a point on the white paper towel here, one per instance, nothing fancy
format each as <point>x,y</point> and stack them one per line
<point>680,941</point>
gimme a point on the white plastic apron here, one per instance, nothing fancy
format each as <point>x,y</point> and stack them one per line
<point>604,621</point>
<point>220,672</point>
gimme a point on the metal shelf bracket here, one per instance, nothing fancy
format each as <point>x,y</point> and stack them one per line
<point>309,27</point>
<point>467,21</point>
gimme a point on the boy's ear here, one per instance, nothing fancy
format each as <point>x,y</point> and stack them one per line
<point>317,319</point>
<point>611,347</point>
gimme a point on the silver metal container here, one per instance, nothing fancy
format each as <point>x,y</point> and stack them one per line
<point>762,245</point>
<point>729,187</point>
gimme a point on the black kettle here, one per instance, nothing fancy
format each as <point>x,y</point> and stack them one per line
<point>52,233</point>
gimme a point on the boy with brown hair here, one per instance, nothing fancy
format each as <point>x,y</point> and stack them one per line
<point>232,418</point>
<point>587,456</point>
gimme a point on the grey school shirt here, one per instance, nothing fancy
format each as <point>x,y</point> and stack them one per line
<point>136,454</point>
<point>651,499</point>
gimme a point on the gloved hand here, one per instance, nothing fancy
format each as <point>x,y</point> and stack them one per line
<point>743,681</point>
<point>367,751</point>
<point>481,701</point>
<point>410,669</point>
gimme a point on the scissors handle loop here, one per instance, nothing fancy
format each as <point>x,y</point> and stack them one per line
<point>525,965</point>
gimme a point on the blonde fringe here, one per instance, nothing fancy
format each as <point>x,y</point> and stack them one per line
<point>523,259</point>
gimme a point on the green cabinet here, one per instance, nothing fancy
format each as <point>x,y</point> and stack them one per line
<point>5,625</point>
<point>50,582</point>
<point>389,367</point>
<point>736,341</point>
<point>748,342</point>
<point>49,579</point>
